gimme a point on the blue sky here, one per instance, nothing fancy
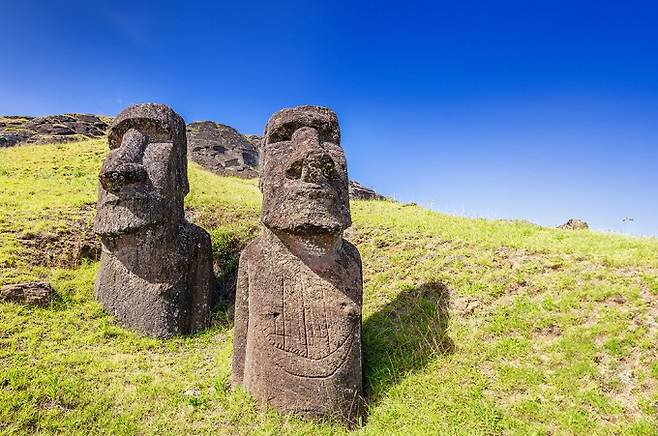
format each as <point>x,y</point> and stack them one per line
<point>541,110</point>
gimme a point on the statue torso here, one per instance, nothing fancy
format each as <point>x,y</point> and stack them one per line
<point>304,322</point>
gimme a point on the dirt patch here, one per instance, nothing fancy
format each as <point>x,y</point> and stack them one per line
<point>615,300</point>
<point>549,333</point>
<point>620,380</point>
<point>466,305</point>
<point>63,248</point>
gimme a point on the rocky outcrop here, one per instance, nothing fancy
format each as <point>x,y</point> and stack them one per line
<point>256,140</point>
<point>16,130</point>
<point>222,149</point>
<point>360,192</point>
<point>574,224</point>
<point>31,293</point>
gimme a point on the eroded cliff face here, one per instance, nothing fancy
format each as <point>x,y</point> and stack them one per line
<point>18,130</point>
<point>222,149</point>
<point>217,147</point>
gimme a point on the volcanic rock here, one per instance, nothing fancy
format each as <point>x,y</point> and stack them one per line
<point>360,192</point>
<point>31,293</point>
<point>222,149</point>
<point>297,344</point>
<point>17,130</point>
<point>156,272</point>
<point>574,224</point>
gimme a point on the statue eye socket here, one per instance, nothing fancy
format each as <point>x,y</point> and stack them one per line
<point>281,133</point>
<point>295,170</point>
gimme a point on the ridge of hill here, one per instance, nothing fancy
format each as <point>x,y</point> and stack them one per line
<point>216,147</point>
<point>470,326</point>
<point>18,129</point>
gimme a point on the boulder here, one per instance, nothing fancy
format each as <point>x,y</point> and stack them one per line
<point>256,140</point>
<point>360,192</point>
<point>574,224</point>
<point>31,293</point>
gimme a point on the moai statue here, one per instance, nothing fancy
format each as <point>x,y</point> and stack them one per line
<point>297,342</point>
<point>156,268</point>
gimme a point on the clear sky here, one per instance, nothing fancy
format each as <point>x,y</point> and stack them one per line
<point>537,110</point>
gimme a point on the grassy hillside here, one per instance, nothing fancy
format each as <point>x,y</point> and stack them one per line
<point>470,326</point>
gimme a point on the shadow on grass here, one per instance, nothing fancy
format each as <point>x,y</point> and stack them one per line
<point>404,336</point>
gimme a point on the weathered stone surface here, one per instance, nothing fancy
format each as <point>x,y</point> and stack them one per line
<point>256,141</point>
<point>156,268</point>
<point>297,342</point>
<point>574,224</point>
<point>222,149</point>
<point>32,293</point>
<point>16,130</point>
<point>360,192</point>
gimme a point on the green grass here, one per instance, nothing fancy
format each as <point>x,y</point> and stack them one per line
<point>470,326</point>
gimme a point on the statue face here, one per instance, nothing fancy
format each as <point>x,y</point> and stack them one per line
<point>304,173</point>
<point>143,179</point>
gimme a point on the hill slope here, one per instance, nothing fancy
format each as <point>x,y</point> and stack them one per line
<point>470,326</point>
<point>216,147</point>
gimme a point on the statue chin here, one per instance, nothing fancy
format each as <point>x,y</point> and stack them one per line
<point>129,215</point>
<point>109,229</point>
<point>109,223</point>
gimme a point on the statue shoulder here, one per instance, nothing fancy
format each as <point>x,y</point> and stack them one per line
<point>252,252</point>
<point>195,236</point>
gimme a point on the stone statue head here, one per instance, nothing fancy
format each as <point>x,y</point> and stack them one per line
<point>143,180</point>
<point>304,173</point>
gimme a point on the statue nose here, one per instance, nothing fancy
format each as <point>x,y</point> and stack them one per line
<point>314,164</point>
<point>113,179</point>
<point>318,168</point>
<point>123,165</point>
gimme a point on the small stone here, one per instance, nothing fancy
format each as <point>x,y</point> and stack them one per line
<point>31,293</point>
<point>466,305</point>
<point>619,299</point>
<point>471,306</point>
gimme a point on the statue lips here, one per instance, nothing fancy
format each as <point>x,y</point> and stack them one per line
<point>132,200</point>
<point>129,196</point>
<point>305,190</point>
<point>318,192</point>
